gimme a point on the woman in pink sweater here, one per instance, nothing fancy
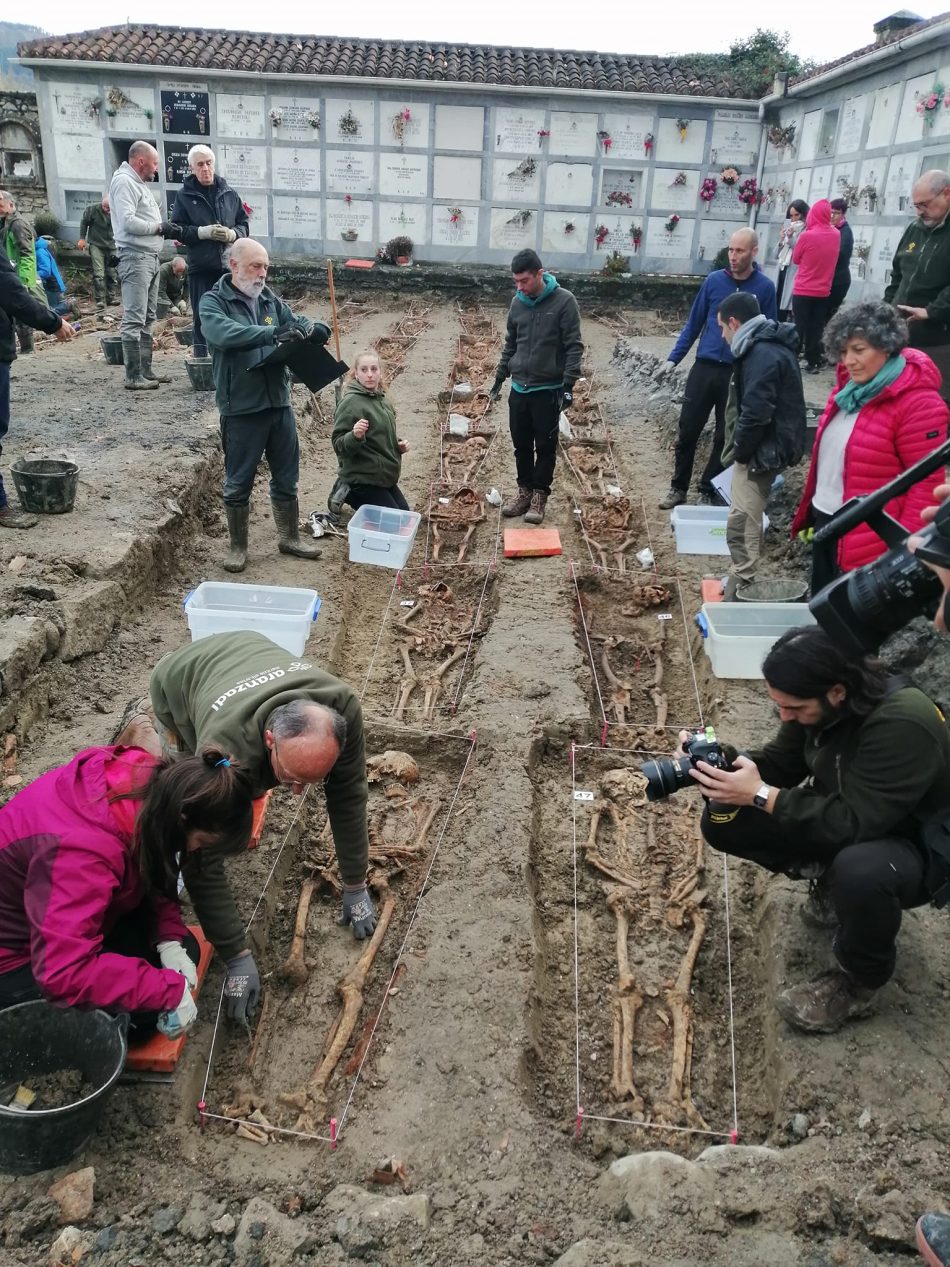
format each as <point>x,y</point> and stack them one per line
<point>816,254</point>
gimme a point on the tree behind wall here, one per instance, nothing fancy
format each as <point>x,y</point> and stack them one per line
<point>752,64</point>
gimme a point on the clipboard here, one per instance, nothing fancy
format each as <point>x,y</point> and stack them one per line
<point>309,361</point>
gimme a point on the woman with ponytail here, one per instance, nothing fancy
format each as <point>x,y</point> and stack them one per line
<point>90,855</point>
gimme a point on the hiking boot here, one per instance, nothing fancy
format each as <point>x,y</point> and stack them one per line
<point>933,1239</point>
<point>10,517</point>
<point>25,337</point>
<point>236,559</point>
<point>136,728</point>
<point>286,517</point>
<point>708,497</point>
<point>535,513</point>
<point>145,357</point>
<point>818,909</point>
<point>132,357</point>
<point>825,1004</point>
<point>675,497</point>
<point>518,504</point>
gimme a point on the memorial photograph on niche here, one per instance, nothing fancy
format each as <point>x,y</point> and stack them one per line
<point>186,112</point>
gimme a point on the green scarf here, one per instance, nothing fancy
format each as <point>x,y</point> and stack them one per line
<point>854,396</point>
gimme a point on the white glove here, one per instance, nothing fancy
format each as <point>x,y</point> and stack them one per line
<point>232,236</point>
<point>174,1024</point>
<point>207,231</point>
<point>220,234</point>
<point>173,955</point>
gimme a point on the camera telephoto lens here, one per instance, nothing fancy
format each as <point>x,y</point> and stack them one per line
<point>666,776</point>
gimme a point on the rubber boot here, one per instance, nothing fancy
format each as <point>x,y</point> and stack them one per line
<point>286,517</point>
<point>145,350</point>
<point>132,356</point>
<point>25,336</point>
<point>10,517</point>
<point>236,559</point>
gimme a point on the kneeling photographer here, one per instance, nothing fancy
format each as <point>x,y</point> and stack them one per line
<point>842,793</point>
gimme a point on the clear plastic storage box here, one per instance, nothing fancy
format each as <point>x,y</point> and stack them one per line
<point>738,636</point>
<point>702,529</point>
<point>282,614</point>
<point>382,536</point>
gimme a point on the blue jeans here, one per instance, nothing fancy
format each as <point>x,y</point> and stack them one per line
<point>245,439</point>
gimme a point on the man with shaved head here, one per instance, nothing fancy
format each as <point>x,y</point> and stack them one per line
<point>243,320</point>
<point>920,276</point>
<point>139,230</point>
<point>707,384</point>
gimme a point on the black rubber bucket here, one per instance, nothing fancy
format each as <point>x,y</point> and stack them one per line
<point>199,371</point>
<point>185,336</point>
<point>36,1039</point>
<point>112,349</point>
<point>45,486</point>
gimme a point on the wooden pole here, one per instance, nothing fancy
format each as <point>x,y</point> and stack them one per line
<point>336,323</point>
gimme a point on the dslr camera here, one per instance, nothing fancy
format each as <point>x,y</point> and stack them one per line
<point>671,774</point>
<point>861,609</point>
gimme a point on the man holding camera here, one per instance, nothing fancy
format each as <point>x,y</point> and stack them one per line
<point>846,794</point>
<point>243,321</point>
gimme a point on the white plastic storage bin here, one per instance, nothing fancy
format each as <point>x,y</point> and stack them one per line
<point>284,615</point>
<point>382,536</point>
<point>738,636</point>
<point>702,529</point>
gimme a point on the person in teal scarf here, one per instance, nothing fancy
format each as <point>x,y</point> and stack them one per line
<point>884,414</point>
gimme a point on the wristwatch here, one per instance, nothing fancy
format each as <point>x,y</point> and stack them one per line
<point>761,798</point>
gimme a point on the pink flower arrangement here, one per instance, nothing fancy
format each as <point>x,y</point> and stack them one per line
<point>600,234</point>
<point>729,175</point>
<point>749,192</point>
<point>928,105</point>
<point>707,190</point>
<point>619,198</point>
<point>248,211</point>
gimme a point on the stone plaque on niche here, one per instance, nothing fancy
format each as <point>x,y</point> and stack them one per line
<point>77,200</point>
<point>300,119</point>
<point>396,129</point>
<point>800,183</point>
<point>735,143</point>
<point>910,125</point>
<point>403,175</point>
<point>130,109</point>
<point>454,226</point>
<point>569,184</point>
<point>563,231</point>
<point>618,237</point>
<point>347,218</point>
<point>78,108</point>
<point>349,172</point>
<point>883,113</point>
<point>186,111</point>
<point>900,177</point>
<point>516,131</point>
<point>299,218</point>
<point>175,161</point>
<point>396,218</point>
<point>512,228</point>
<point>573,133</point>
<point>621,188</point>
<point>715,234</point>
<point>456,179</point>
<point>820,184</point>
<point>520,182</point>
<point>807,143</point>
<point>673,147</point>
<point>677,190</point>
<point>628,133</point>
<point>852,125</point>
<point>297,169</point>
<point>665,245</point>
<point>350,122</point>
<point>245,166</point>
<point>883,245</point>
<point>240,115</point>
<point>726,201</point>
<point>459,128</point>
<point>78,157</point>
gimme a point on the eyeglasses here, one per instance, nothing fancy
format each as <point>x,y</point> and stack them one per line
<point>922,206</point>
<point>278,766</point>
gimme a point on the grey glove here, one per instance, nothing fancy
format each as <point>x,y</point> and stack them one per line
<point>319,332</point>
<point>169,230</point>
<point>220,234</point>
<point>495,392</point>
<point>358,911</point>
<point>242,987</point>
<point>289,334</point>
<point>206,232</point>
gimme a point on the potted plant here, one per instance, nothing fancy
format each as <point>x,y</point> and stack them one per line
<point>398,250</point>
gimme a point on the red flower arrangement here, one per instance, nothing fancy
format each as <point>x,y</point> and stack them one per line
<point>606,140</point>
<point>347,198</point>
<point>619,198</point>
<point>671,224</point>
<point>707,190</point>
<point>455,215</point>
<point>600,234</point>
<point>648,144</point>
<point>749,192</point>
<point>636,237</point>
<point>248,211</point>
<point>542,133</point>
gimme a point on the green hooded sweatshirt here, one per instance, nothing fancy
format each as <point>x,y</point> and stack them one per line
<point>376,458</point>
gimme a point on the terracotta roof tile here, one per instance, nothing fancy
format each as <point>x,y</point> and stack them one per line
<point>377,59</point>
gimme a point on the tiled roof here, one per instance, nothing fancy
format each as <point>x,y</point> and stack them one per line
<point>890,38</point>
<point>264,54</point>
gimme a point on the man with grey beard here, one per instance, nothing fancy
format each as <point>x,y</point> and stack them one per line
<point>243,320</point>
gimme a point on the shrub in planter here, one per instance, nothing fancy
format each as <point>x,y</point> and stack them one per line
<point>398,250</point>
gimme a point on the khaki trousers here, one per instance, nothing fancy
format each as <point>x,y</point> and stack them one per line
<point>744,524</point>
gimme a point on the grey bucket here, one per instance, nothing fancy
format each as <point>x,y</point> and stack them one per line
<point>36,1039</point>
<point>185,336</point>
<point>781,589</point>
<point>112,348</point>
<point>45,486</point>
<point>199,371</point>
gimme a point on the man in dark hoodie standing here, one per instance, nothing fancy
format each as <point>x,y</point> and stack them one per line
<point>707,384</point>
<point>765,424</point>
<point>211,216</point>
<point>542,353</point>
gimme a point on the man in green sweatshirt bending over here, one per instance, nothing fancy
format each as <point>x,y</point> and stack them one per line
<point>542,353</point>
<point>284,721</point>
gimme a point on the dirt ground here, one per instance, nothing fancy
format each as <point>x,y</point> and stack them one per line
<point>499,972</point>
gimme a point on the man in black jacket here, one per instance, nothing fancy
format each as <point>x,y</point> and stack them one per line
<point>841,282</point>
<point>18,307</point>
<point>542,353</point>
<point>765,423</point>
<point>211,216</point>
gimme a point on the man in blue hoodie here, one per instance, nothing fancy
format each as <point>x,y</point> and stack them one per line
<point>542,353</point>
<point>707,384</point>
